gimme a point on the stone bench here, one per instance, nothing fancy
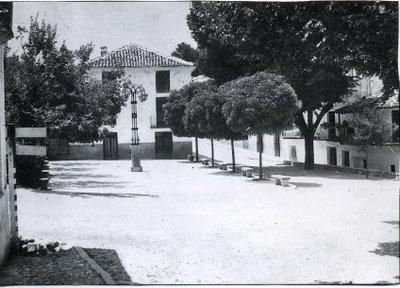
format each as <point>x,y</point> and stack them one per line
<point>281,180</point>
<point>223,166</point>
<point>247,172</point>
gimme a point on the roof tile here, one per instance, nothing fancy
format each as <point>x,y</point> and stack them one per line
<point>133,55</point>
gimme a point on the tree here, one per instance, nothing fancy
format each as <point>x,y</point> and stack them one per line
<point>305,42</point>
<point>204,113</point>
<point>186,52</point>
<point>48,85</point>
<point>259,104</point>
<point>174,111</point>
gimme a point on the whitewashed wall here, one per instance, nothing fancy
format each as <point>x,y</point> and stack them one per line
<point>179,76</point>
<point>4,196</point>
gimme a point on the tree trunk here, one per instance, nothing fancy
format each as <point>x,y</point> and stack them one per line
<point>212,152</point>
<point>309,151</point>
<point>260,151</point>
<point>197,149</point>
<point>233,157</point>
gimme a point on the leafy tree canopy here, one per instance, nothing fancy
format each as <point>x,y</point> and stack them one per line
<point>259,104</point>
<point>314,45</point>
<point>186,52</point>
<point>204,114</point>
<point>174,109</point>
<point>48,85</point>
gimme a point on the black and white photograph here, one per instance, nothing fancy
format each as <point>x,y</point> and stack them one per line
<point>199,143</point>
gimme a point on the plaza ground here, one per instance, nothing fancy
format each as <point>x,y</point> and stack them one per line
<point>179,222</point>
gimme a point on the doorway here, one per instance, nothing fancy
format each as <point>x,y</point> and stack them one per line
<point>346,158</point>
<point>163,145</point>
<point>110,146</point>
<point>332,158</point>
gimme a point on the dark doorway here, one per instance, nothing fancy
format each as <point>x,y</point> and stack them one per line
<point>277,145</point>
<point>160,101</point>
<point>346,158</point>
<point>163,146</point>
<point>332,156</point>
<point>332,129</point>
<point>110,146</point>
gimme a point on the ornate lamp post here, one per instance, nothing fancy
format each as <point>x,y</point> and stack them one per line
<point>134,91</point>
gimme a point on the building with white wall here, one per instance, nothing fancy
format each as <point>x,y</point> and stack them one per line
<point>158,74</point>
<point>331,147</point>
<point>5,202</point>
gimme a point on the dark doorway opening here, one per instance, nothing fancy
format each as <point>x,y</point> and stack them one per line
<point>110,146</point>
<point>277,145</point>
<point>163,145</point>
<point>346,158</point>
<point>332,158</point>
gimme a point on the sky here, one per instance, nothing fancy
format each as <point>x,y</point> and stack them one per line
<point>159,26</point>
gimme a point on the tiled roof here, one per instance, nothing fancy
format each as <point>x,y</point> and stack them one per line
<point>369,102</point>
<point>133,55</point>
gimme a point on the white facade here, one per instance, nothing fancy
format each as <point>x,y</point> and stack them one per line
<point>146,76</point>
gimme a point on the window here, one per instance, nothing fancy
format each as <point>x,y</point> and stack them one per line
<point>392,168</point>
<point>109,75</point>
<point>162,81</point>
<point>160,101</point>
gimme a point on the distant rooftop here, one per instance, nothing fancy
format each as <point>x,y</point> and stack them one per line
<point>369,102</point>
<point>133,55</point>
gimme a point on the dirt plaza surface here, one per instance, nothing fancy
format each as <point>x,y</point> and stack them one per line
<point>182,223</point>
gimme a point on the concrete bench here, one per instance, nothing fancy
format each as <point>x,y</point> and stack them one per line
<point>247,172</point>
<point>223,166</point>
<point>281,180</point>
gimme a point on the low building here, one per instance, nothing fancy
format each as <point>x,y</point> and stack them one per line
<point>332,146</point>
<point>158,74</point>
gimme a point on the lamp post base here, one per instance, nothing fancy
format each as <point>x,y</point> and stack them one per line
<point>137,169</point>
<point>136,155</point>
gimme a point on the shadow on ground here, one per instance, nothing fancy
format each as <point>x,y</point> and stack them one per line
<point>94,194</point>
<point>389,248</point>
<point>60,185</point>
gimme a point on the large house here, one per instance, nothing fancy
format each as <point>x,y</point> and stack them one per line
<point>158,74</point>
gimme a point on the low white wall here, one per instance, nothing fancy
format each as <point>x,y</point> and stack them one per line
<point>4,197</point>
<point>379,157</point>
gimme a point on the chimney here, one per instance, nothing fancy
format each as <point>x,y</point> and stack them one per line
<point>103,51</point>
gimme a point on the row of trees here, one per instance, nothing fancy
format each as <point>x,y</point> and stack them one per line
<point>47,85</point>
<point>314,45</point>
<point>251,105</point>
